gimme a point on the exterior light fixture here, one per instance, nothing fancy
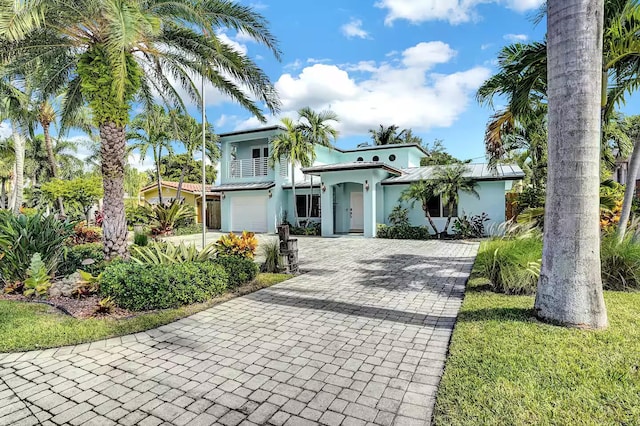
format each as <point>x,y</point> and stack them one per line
<point>223,196</point>
<point>324,188</point>
<point>366,185</point>
<point>270,194</point>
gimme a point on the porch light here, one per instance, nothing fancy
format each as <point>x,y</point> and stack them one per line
<point>222,195</point>
<point>270,194</point>
<point>324,188</point>
<point>366,185</point>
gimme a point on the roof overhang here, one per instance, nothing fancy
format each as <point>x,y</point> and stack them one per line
<point>255,186</point>
<point>352,166</point>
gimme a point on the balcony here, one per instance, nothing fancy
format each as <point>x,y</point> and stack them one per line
<point>248,168</point>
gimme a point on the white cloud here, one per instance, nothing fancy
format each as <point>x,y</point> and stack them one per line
<point>5,130</point>
<point>317,61</point>
<point>453,11</point>
<point>134,160</point>
<point>486,46</point>
<point>406,93</point>
<point>353,29</point>
<point>515,38</point>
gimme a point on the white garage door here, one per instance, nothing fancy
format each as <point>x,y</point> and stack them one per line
<point>249,214</point>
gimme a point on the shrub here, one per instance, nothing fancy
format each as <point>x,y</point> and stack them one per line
<point>87,257</point>
<point>313,228</point>
<point>22,236</point>
<point>194,228</point>
<point>470,227</point>
<point>620,263</point>
<point>136,214</point>
<point>512,265</point>
<point>166,253</point>
<point>143,287</point>
<point>165,218</point>
<point>271,253</point>
<point>83,234</point>
<point>140,239</point>
<point>88,284</point>
<point>399,216</point>
<point>241,270</point>
<point>403,232</point>
<point>38,281</point>
<point>104,306</point>
<point>233,245</point>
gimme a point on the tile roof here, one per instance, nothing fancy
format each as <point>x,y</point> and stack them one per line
<point>243,186</point>
<point>193,188</point>
<point>351,165</point>
<point>479,171</point>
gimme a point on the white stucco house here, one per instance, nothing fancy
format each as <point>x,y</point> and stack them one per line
<point>353,189</point>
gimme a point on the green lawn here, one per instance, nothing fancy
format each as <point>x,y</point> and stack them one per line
<point>506,368</point>
<point>27,326</point>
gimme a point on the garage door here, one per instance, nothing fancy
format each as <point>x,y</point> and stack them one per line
<point>249,214</point>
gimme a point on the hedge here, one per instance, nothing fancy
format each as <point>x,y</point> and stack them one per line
<point>403,232</point>
<point>240,269</point>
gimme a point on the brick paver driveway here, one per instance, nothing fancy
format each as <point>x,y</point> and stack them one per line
<point>360,338</point>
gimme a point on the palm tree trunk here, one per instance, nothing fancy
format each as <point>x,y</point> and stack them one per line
<point>114,225</point>
<point>158,178</point>
<point>182,173</point>
<point>19,147</point>
<point>570,286</point>
<point>3,194</point>
<point>51,158</point>
<point>446,226</point>
<point>293,190</point>
<point>310,199</point>
<point>12,197</point>
<point>629,191</point>
<point>430,219</point>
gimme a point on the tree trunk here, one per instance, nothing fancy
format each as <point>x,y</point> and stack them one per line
<point>12,197</point>
<point>293,190</point>
<point>310,198</point>
<point>570,286</point>
<point>629,191</point>
<point>180,182</point>
<point>114,225</point>
<point>446,226</point>
<point>3,194</point>
<point>158,178</point>
<point>430,219</point>
<point>51,158</point>
<point>19,147</point>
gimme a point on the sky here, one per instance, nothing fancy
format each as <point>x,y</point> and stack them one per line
<point>413,63</point>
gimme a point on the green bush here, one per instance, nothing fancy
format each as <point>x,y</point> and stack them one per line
<point>401,232</point>
<point>22,236</point>
<point>74,256</point>
<point>620,263</point>
<point>144,287</point>
<point>271,252</point>
<point>161,252</point>
<point>140,239</point>
<point>136,214</point>
<point>194,228</point>
<point>512,265</point>
<point>240,269</point>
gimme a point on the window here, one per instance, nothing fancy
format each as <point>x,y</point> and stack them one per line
<point>375,158</point>
<point>301,205</point>
<point>436,209</point>
<point>360,159</point>
<point>392,157</point>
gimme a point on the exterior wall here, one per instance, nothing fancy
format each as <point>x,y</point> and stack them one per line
<point>151,194</point>
<point>405,156</point>
<point>244,144</point>
<point>287,202</point>
<point>492,202</point>
<point>274,210</point>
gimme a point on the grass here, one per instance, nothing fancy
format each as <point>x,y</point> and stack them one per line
<point>29,326</point>
<point>505,367</point>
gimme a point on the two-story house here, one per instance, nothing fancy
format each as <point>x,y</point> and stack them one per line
<point>353,189</point>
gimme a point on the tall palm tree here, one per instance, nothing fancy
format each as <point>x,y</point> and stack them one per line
<point>570,287</point>
<point>292,146</point>
<point>150,130</point>
<point>318,130</point>
<point>37,167</point>
<point>632,128</point>
<point>422,192</point>
<point>107,53</point>
<point>386,135</point>
<point>7,160</point>
<point>449,181</point>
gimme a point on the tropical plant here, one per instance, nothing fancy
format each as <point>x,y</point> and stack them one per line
<point>134,181</point>
<point>105,306</point>
<point>569,290</point>
<point>182,166</point>
<point>437,155</point>
<point>84,234</point>
<point>105,54</point>
<point>403,232</point>
<point>399,216</point>
<point>470,226</point>
<point>158,253</point>
<point>449,181</point>
<point>164,218</point>
<point>237,245</point>
<point>632,125</point>
<point>7,160</point>
<point>240,270</point>
<point>87,257</point>
<point>87,284</point>
<point>271,252</point>
<point>82,193</point>
<point>140,239</point>
<point>291,145</point>
<point>38,280</point>
<point>422,192</point>
<point>386,135</point>
<point>23,236</point>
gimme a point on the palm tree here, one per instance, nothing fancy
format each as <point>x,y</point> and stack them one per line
<point>386,135</point>
<point>449,181</point>
<point>107,53</point>
<point>7,160</point>
<point>292,146</point>
<point>318,130</point>
<point>632,127</point>
<point>570,287</point>
<point>37,167</point>
<point>422,192</point>
<point>151,131</point>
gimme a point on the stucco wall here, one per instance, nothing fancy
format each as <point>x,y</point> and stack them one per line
<point>190,199</point>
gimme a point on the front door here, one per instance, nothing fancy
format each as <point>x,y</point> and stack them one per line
<point>357,212</point>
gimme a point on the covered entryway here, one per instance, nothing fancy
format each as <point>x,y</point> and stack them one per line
<point>249,213</point>
<point>356,212</point>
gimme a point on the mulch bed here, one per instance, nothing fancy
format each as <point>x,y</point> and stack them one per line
<point>77,308</point>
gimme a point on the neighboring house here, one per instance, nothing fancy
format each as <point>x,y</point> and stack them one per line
<point>192,196</point>
<point>353,190</point>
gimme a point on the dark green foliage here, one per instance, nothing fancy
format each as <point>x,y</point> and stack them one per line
<point>530,197</point>
<point>194,228</point>
<point>470,226</point>
<point>171,168</point>
<point>403,232</point>
<point>23,236</point>
<point>312,228</point>
<point>74,256</point>
<point>140,239</point>
<point>620,263</point>
<point>399,216</point>
<point>136,215</point>
<point>271,253</point>
<point>438,155</point>
<point>145,287</point>
<point>239,269</point>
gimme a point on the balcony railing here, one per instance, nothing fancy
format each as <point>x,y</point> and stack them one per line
<point>249,167</point>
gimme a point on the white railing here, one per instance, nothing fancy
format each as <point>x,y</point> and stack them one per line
<point>249,167</point>
<point>284,167</point>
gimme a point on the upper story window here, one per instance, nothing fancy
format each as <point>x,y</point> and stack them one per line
<point>392,157</point>
<point>360,159</point>
<point>375,158</point>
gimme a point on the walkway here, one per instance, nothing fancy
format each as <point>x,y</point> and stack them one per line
<point>360,338</point>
